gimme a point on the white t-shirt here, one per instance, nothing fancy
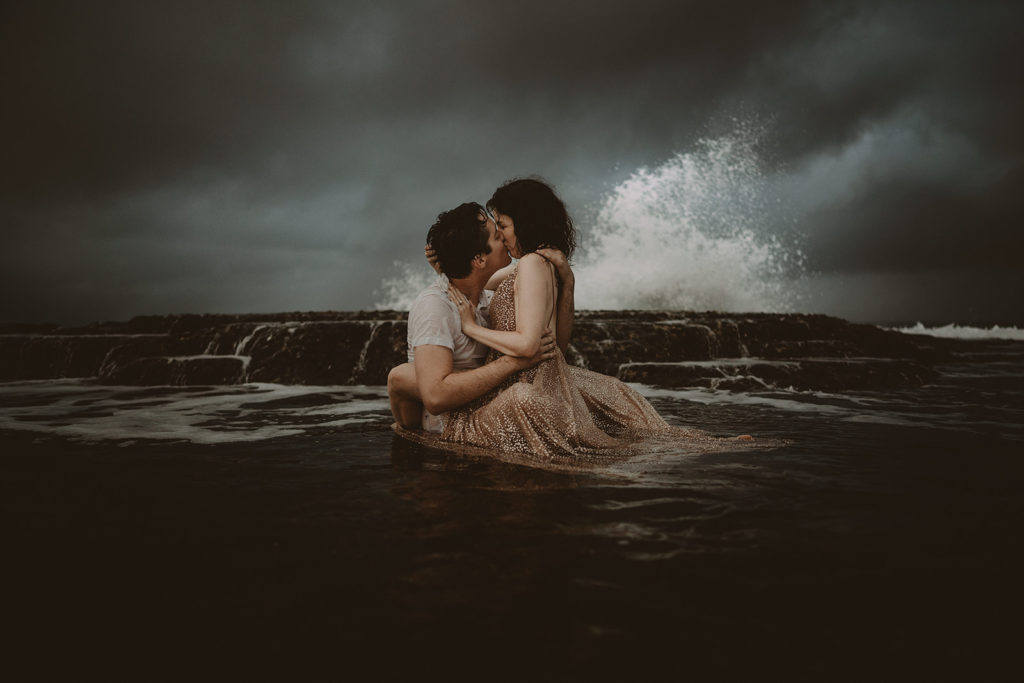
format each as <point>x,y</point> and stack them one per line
<point>434,319</point>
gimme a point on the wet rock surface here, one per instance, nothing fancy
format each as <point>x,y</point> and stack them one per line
<point>666,348</point>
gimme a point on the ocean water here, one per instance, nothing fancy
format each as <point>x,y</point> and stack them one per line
<point>272,526</point>
<point>979,393</point>
<point>269,531</point>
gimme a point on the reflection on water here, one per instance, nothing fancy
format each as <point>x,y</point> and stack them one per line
<point>860,533</point>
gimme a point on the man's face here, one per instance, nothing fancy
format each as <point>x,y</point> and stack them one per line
<point>498,258</point>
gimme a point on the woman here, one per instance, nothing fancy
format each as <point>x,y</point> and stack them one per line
<point>553,413</point>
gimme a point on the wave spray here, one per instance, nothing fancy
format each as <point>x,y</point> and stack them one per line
<point>689,234</point>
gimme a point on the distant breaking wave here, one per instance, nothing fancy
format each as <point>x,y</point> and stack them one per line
<point>688,234</point>
<point>954,331</point>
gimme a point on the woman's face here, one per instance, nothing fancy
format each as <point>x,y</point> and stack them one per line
<point>498,253</point>
<point>508,232</point>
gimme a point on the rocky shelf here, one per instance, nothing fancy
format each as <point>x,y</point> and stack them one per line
<point>667,348</point>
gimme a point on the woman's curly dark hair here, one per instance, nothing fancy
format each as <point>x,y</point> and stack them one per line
<point>540,217</point>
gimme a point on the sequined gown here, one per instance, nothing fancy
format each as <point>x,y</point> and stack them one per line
<point>561,415</point>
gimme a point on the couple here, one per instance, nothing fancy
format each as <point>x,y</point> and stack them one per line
<point>486,370</point>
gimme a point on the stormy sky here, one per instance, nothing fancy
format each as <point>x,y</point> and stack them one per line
<point>269,156</point>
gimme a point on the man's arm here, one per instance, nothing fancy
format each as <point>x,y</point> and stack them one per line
<point>404,396</point>
<point>566,311</point>
<point>566,305</point>
<point>441,390</point>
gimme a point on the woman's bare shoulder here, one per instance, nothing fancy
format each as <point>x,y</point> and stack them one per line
<point>533,261</point>
<point>534,267</point>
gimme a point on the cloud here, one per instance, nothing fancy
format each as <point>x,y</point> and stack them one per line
<point>237,156</point>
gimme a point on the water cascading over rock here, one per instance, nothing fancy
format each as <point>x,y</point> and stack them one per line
<point>666,348</point>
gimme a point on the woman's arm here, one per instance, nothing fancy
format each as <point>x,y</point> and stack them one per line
<point>534,287</point>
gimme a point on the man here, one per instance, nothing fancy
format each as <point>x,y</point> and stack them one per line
<point>445,368</point>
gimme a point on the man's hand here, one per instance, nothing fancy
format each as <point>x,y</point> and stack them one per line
<point>431,255</point>
<point>546,351</point>
<point>561,264</point>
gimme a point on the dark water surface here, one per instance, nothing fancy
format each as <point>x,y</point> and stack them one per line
<point>886,542</point>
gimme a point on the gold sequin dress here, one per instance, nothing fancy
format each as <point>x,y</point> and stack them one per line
<point>560,415</point>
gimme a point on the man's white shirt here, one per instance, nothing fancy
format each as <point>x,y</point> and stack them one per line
<point>434,319</point>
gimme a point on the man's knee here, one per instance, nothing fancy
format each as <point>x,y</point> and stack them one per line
<point>402,380</point>
<point>393,380</point>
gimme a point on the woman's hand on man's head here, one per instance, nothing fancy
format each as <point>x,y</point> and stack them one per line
<point>431,255</point>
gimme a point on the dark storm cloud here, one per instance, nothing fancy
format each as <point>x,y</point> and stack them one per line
<point>914,226</point>
<point>126,97</point>
<point>241,156</point>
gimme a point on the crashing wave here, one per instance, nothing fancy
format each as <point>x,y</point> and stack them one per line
<point>954,331</point>
<point>689,234</point>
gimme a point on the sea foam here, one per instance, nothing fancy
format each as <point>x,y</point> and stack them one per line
<point>81,411</point>
<point>954,331</point>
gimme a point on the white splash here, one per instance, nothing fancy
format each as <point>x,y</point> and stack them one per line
<point>688,234</point>
<point>399,291</point>
<point>954,331</point>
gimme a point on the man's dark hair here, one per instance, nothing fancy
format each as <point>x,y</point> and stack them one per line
<point>458,237</point>
<point>540,217</point>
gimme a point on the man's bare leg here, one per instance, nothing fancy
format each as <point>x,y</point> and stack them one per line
<point>404,393</point>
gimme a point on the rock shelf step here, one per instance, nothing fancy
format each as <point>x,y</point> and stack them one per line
<point>359,347</point>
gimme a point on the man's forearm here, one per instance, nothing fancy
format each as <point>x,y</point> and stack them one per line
<point>566,313</point>
<point>459,388</point>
